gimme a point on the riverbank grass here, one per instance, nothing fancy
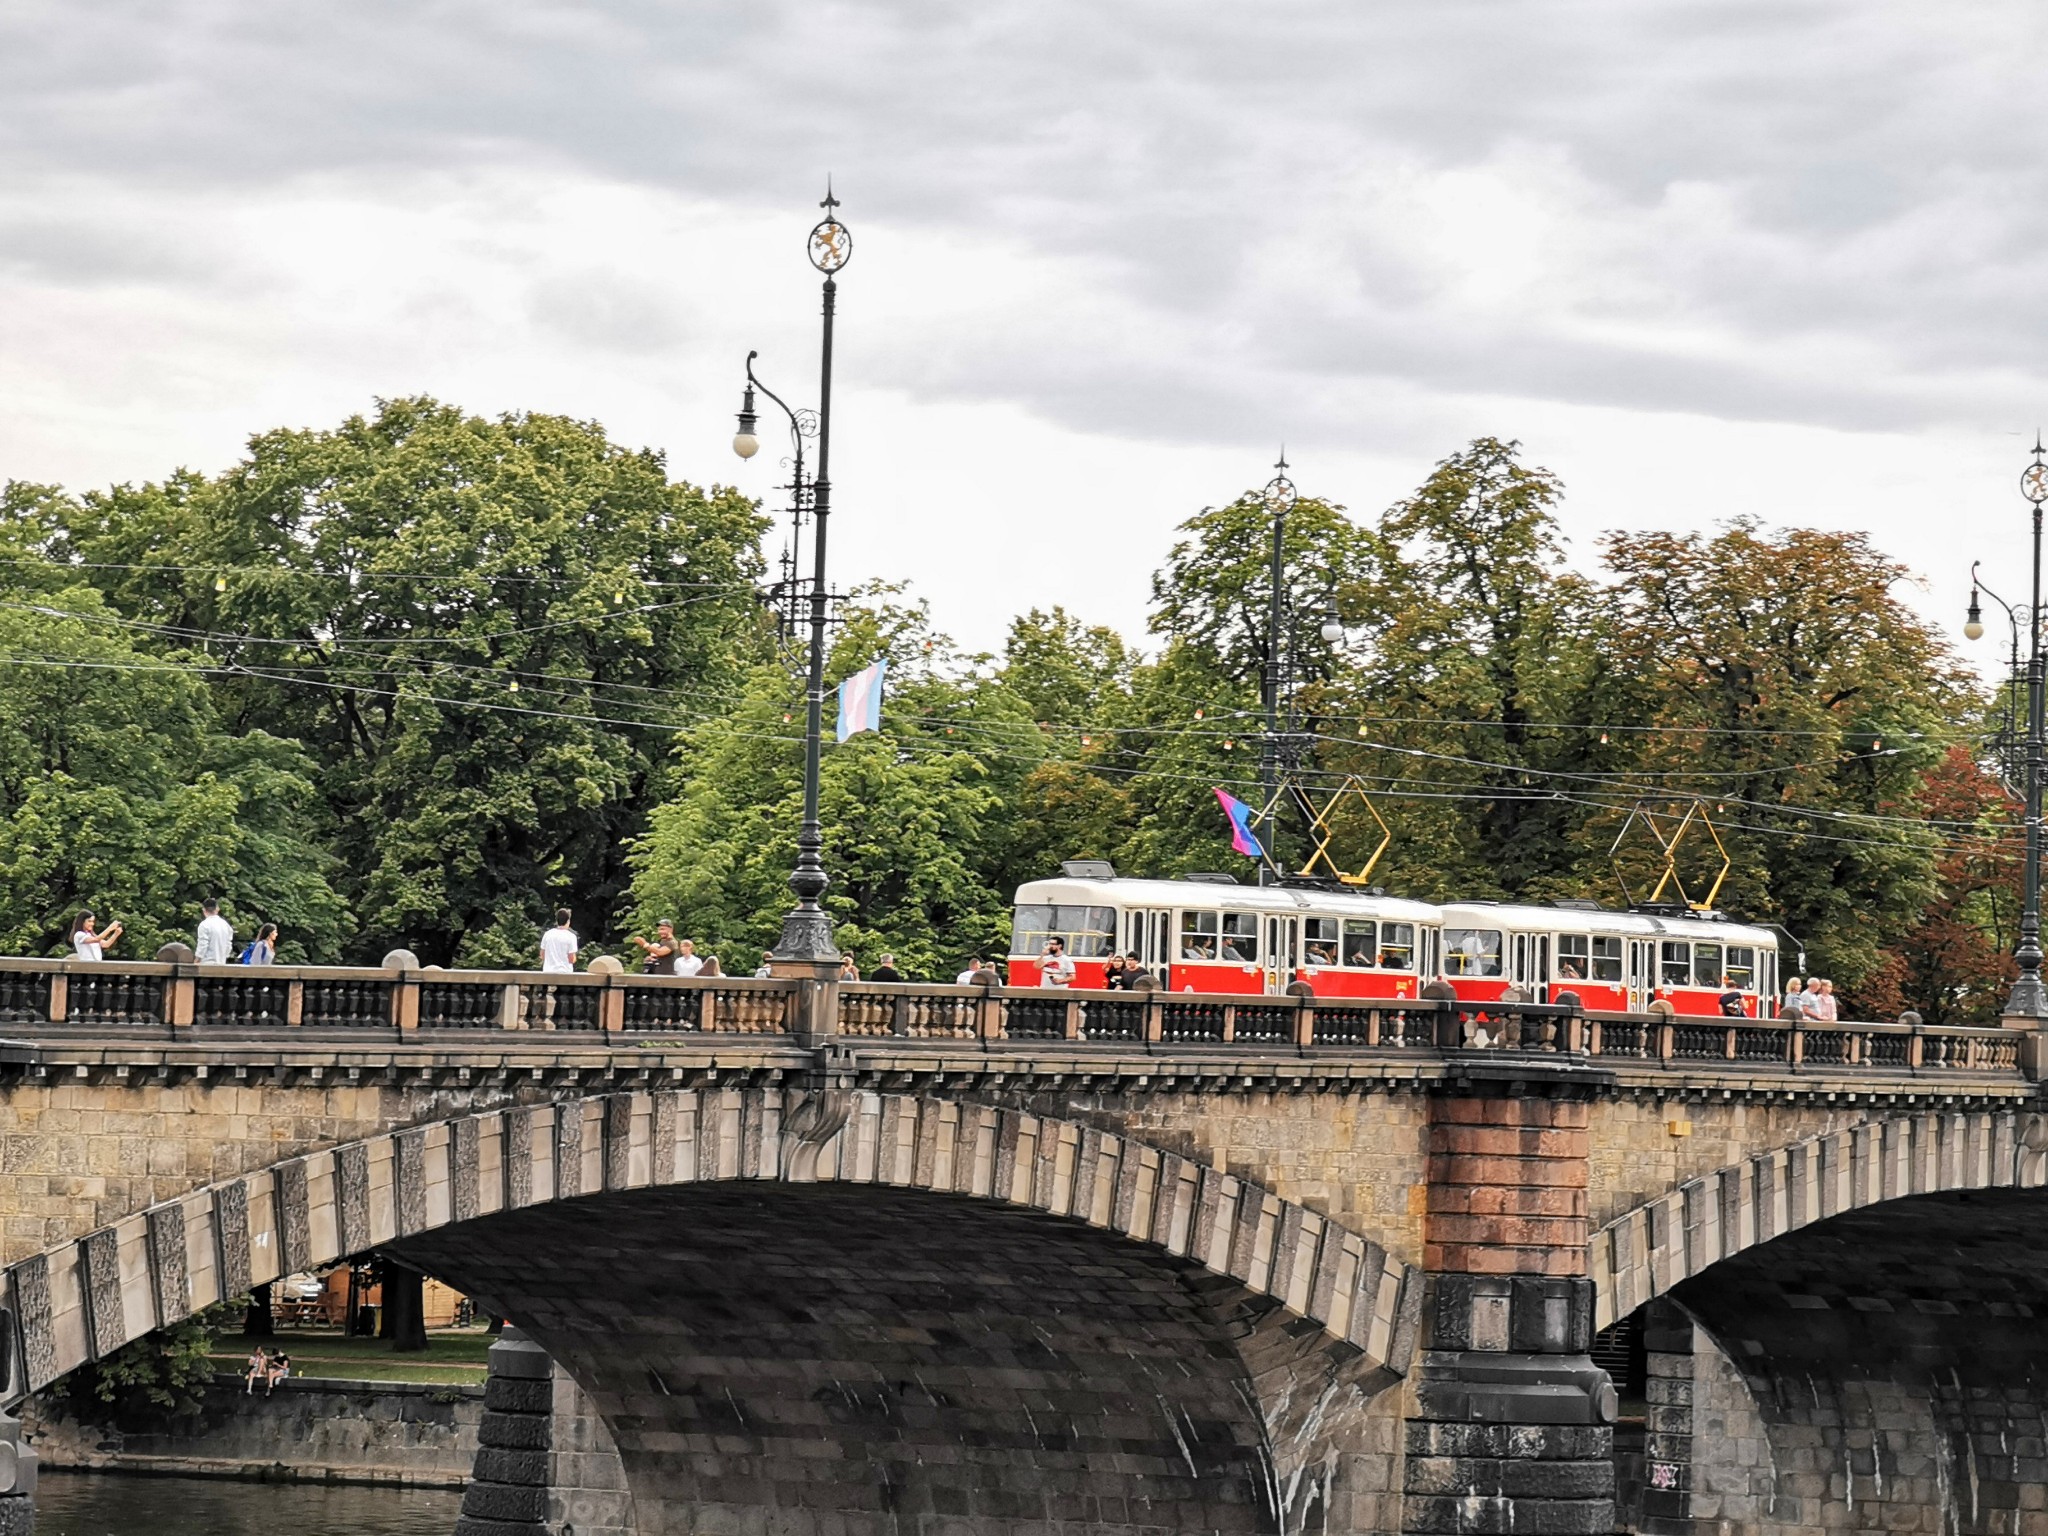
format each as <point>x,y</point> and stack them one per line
<point>453,1356</point>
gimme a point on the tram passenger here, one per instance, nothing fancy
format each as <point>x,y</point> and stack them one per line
<point>1320,954</point>
<point>1358,949</point>
<point>1196,949</point>
<point>1568,970</point>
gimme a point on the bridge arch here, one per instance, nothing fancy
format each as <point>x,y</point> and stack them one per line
<point>82,1300</point>
<point>1646,1251</point>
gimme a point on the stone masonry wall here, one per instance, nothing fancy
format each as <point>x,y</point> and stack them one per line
<point>804,1359</point>
<point>1897,1368</point>
<point>587,1493</point>
<point>1357,1157</point>
<point>317,1431</point>
<point>76,1155</point>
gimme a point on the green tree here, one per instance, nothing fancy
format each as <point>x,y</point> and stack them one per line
<point>150,1384</point>
<point>909,812</point>
<point>486,633</point>
<point>1793,691</point>
<point>120,791</point>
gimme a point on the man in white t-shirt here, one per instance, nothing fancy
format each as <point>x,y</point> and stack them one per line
<point>688,961</point>
<point>558,945</point>
<point>966,977</point>
<point>214,944</point>
<point>1054,968</point>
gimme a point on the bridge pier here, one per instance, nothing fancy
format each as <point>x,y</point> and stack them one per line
<point>1511,1427</point>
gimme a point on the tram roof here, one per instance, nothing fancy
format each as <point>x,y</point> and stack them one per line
<point>1484,914</point>
<point>1213,893</point>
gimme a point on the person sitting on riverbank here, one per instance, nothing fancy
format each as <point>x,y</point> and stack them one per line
<point>280,1370</point>
<point>259,1367</point>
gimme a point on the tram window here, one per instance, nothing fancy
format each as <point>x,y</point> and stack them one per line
<point>1740,972</point>
<point>1089,933</point>
<point>1397,947</point>
<point>1361,941</point>
<point>1319,938</point>
<point>1675,963</point>
<point>1574,955</point>
<point>1706,965</point>
<point>1198,935</point>
<point>1472,952</point>
<point>1241,936</point>
<point>1606,960</point>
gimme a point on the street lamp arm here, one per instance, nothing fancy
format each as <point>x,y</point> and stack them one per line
<point>795,428</point>
<point>1978,582</point>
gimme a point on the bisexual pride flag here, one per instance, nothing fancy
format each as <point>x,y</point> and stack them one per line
<point>1240,815</point>
<point>860,700</point>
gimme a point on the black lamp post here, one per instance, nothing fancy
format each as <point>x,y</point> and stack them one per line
<point>2028,999</point>
<point>806,941</point>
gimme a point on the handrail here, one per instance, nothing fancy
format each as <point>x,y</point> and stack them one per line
<point>68,996</point>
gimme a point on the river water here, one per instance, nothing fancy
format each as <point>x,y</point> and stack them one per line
<point>100,1504</point>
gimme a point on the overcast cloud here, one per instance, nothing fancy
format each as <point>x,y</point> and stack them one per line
<point>1782,259</point>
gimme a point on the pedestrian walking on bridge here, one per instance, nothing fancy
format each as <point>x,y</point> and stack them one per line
<point>214,943</point>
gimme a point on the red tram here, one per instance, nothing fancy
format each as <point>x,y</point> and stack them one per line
<point>1208,934</point>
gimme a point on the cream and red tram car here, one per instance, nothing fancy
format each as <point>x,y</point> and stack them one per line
<point>1210,934</point>
<point>1616,961</point>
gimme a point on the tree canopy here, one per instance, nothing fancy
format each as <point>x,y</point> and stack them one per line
<point>424,676</point>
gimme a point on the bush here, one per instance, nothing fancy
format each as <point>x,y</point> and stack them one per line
<point>149,1384</point>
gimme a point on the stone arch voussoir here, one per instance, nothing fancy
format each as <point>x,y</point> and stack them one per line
<point>1643,1253</point>
<point>85,1299</point>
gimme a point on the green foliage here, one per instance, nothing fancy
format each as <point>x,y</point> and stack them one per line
<point>485,634</point>
<point>120,790</point>
<point>907,812</point>
<point>151,1384</point>
<point>426,676</point>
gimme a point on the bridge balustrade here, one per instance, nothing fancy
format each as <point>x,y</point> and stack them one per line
<point>151,1000</point>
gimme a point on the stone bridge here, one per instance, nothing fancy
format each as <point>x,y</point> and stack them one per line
<point>904,1258</point>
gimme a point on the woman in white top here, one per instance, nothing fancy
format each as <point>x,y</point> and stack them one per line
<point>87,944</point>
<point>1827,1013</point>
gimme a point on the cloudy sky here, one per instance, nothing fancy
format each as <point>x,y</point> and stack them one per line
<point>1784,259</point>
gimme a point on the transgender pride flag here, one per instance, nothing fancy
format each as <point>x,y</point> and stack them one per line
<point>860,700</point>
<point>1240,815</point>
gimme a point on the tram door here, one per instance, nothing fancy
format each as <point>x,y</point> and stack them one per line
<point>1642,976</point>
<point>1151,935</point>
<point>1280,943</point>
<point>1532,965</point>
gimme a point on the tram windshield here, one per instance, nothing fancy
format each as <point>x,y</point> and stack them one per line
<point>1472,952</point>
<point>1088,932</point>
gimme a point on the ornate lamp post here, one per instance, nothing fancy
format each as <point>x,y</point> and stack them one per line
<point>2028,999</point>
<point>806,943</point>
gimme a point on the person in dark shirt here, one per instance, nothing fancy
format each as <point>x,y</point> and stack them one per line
<point>661,951</point>
<point>887,971</point>
<point>1114,976</point>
